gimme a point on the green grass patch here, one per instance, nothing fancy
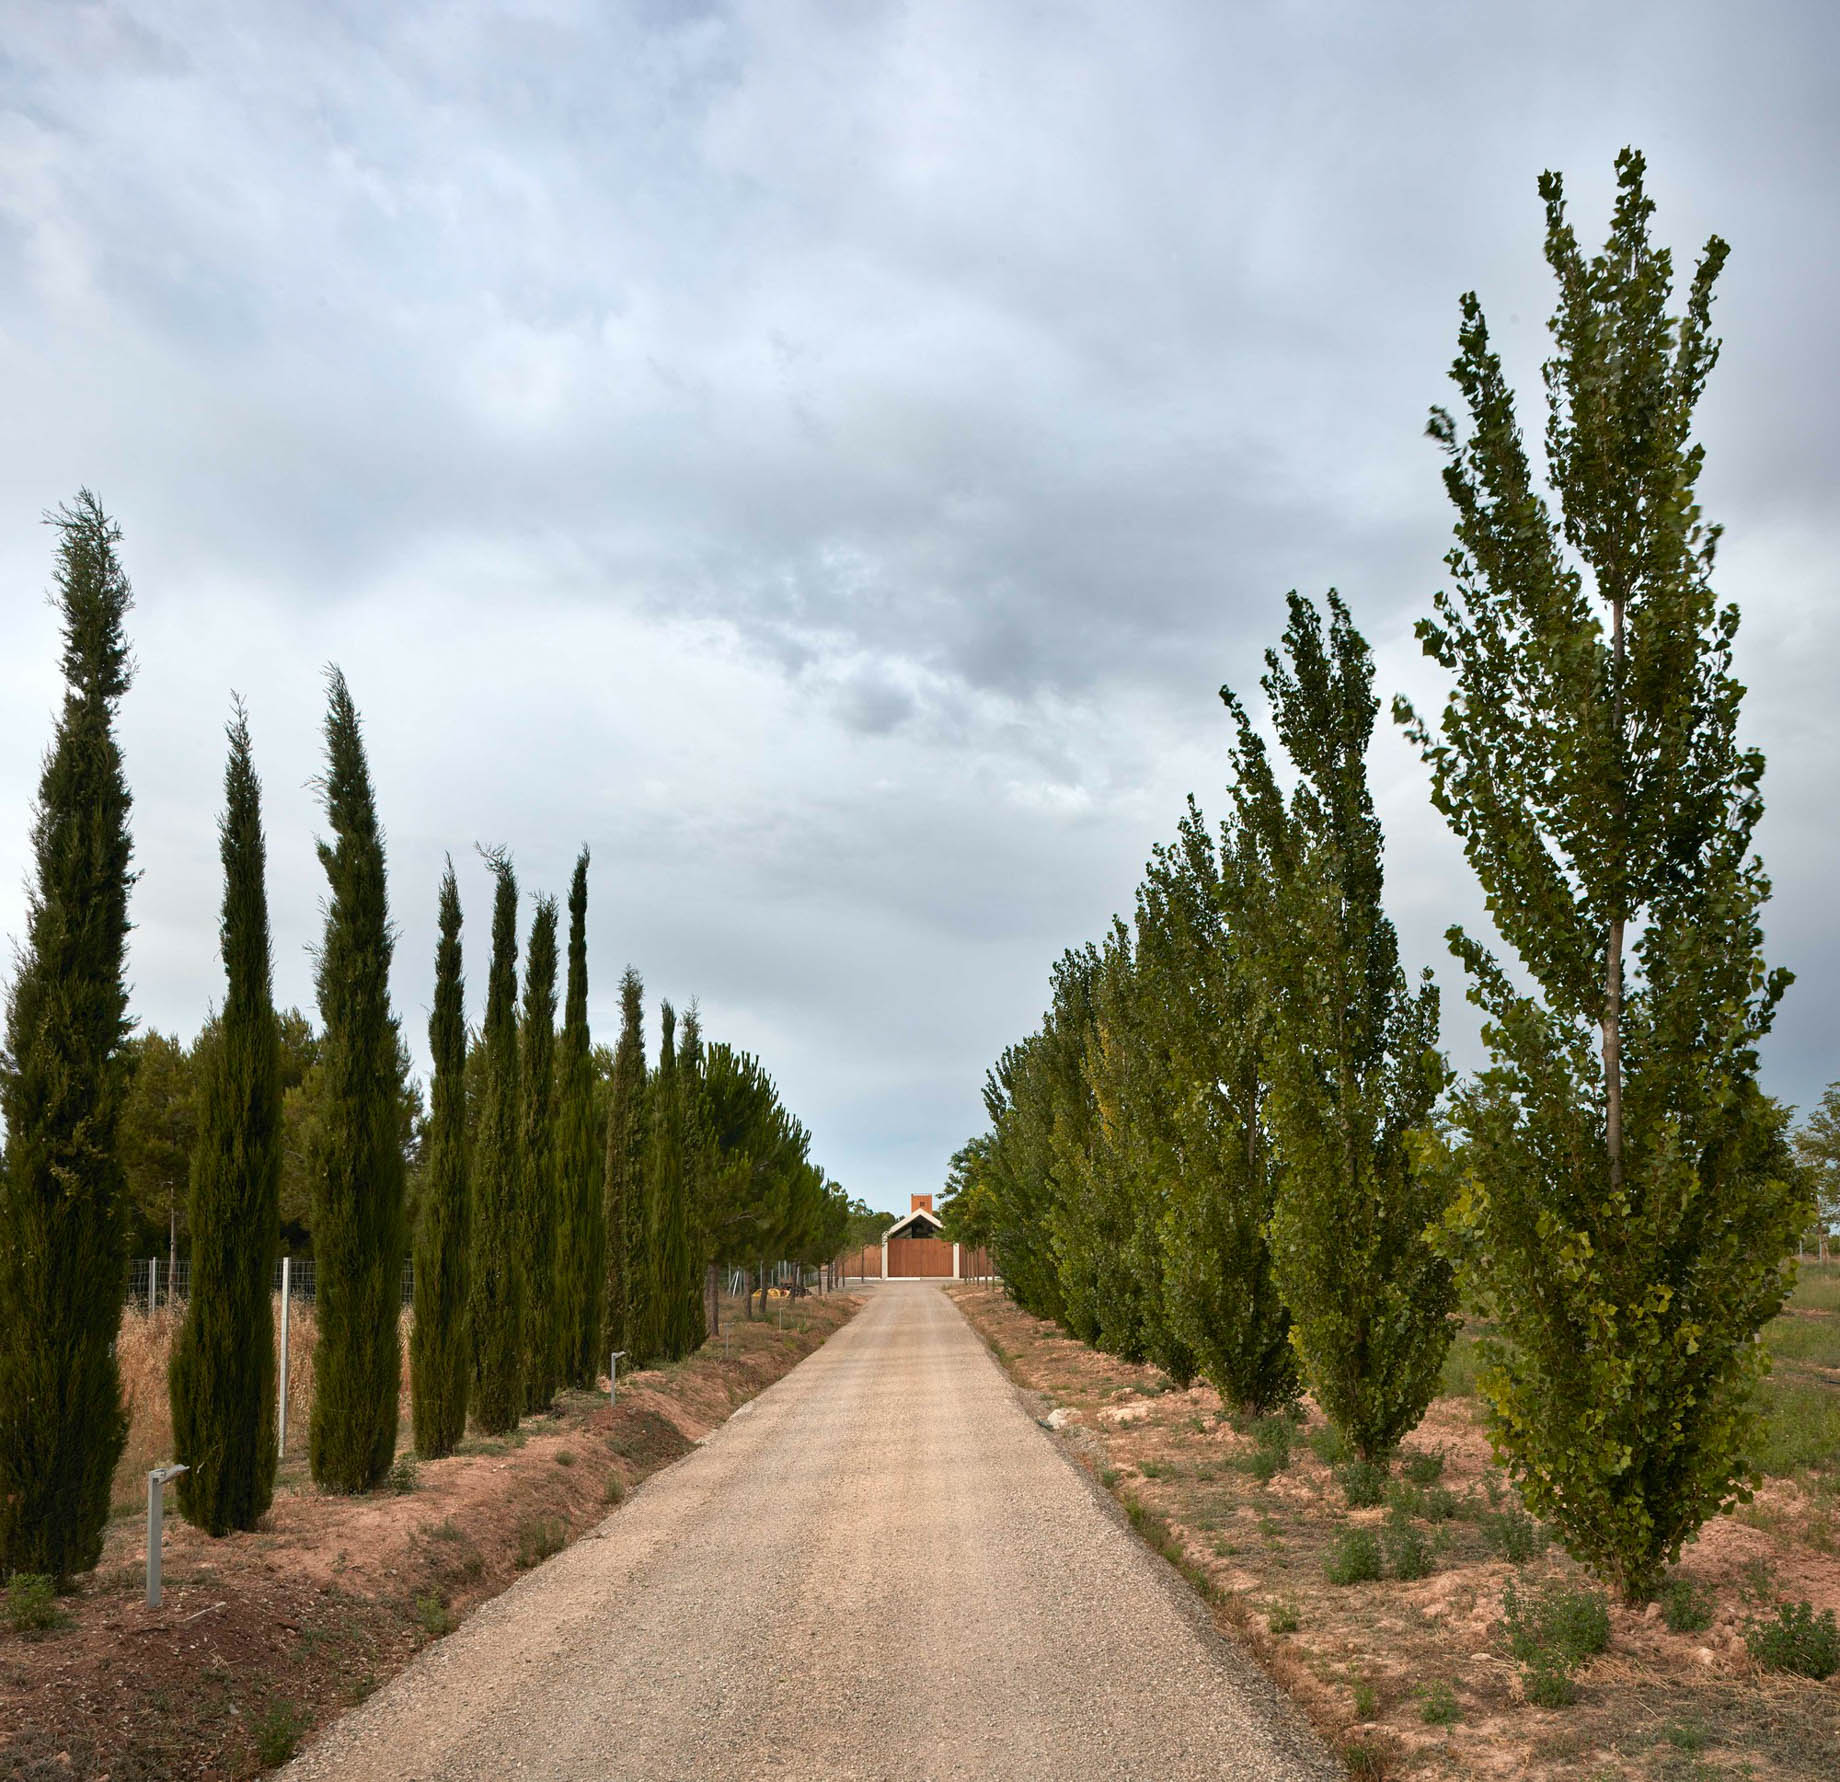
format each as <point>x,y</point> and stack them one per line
<point>1685,1607</point>
<point>32,1604</point>
<point>433,1616</point>
<point>1801,1427</point>
<point>1354,1559</point>
<point>1438,1705</point>
<point>1550,1632</point>
<point>1461,1366</point>
<point>538,1537</point>
<point>1817,1287</point>
<point>277,1734</point>
<point>1363,1483</point>
<point>1815,1342</point>
<point>1796,1640</point>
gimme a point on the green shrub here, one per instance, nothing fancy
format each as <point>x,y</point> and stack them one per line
<point>614,1491</point>
<point>1551,1632</point>
<point>31,1603</point>
<point>1330,1446</point>
<point>1363,1483</point>
<point>1686,1608</point>
<point>1686,1735</point>
<point>433,1616</point>
<point>1797,1640</point>
<point>404,1475</point>
<point>1282,1617</point>
<point>1422,1468</point>
<point>564,1457</point>
<point>1439,1705</point>
<point>1271,1448</point>
<point>1355,1558</point>
<point>1407,1551</point>
<point>1512,1533</point>
<point>277,1734</point>
<point>1366,1701</point>
<point>537,1538</point>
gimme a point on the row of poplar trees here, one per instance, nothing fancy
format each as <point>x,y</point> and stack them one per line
<point>1234,1148</point>
<point>558,1223</point>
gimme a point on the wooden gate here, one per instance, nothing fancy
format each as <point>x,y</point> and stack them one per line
<point>919,1256</point>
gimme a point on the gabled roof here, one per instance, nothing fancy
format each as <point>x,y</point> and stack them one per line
<point>904,1226</point>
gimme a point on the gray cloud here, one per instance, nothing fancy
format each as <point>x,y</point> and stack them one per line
<point>828,457</point>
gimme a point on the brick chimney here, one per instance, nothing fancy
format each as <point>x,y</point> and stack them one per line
<point>918,1201</point>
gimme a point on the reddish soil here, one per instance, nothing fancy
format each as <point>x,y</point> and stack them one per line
<point>262,1636</point>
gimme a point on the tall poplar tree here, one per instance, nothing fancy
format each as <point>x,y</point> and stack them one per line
<point>223,1364</point>
<point>63,1078</point>
<point>579,1240</point>
<point>1350,1050</point>
<point>623,1297</point>
<point>358,1228</point>
<point>439,1362</point>
<point>538,1187</point>
<point>1627,1199</point>
<point>498,1275</point>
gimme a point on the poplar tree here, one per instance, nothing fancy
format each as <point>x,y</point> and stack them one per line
<point>222,1379</point>
<point>439,1362</point>
<point>623,1297</point>
<point>1626,1200</point>
<point>1350,1050</point>
<point>537,1163</point>
<point>498,1275</point>
<point>358,1228</point>
<point>63,1078</point>
<point>579,1241</point>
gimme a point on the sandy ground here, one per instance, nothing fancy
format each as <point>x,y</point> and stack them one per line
<point>879,1568</point>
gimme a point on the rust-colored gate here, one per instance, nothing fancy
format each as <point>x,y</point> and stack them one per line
<point>919,1256</point>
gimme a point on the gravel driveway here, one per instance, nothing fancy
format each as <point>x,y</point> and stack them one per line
<point>881,1567</point>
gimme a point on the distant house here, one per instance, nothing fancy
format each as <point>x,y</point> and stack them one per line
<point>914,1248</point>
<point>920,1221</point>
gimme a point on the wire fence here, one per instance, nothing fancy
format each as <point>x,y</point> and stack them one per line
<point>155,1281</point>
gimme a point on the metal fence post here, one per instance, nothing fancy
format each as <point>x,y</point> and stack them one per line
<point>156,1521</point>
<point>153,1284</point>
<point>613,1377</point>
<point>281,1412</point>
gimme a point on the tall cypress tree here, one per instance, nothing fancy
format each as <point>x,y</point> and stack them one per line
<point>438,1358</point>
<point>223,1364</point>
<point>537,1171</point>
<point>695,1148</point>
<point>358,1227</point>
<point>623,1177</point>
<point>63,1077</point>
<point>670,1311</point>
<point>579,1241</point>
<point>498,1291</point>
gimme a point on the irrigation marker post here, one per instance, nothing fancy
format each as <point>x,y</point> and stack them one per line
<point>281,1412</point>
<point>156,1519</point>
<point>613,1377</point>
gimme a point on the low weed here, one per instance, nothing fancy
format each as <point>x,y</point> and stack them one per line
<point>405,1475</point>
<point>1355,1558</point>
<point>1363,1483</point>
<point>1438,1705</point>
<point>1423,1468</point>
<point>1684,1606</point>
<point>1551,1631</point>
<point>1282,1616</point>
<point>277,1733</point>
<point>32,1605</point>
<point>1366,1701</point>
<point>614,1491</point>
<point>1686,1735</point>
<point>447,1529</point>
<point>1330,1446</point>
<point>1271,1448</point>
<point>565,1457</point>
<point>1407,1550</point>
<point>433,1616</point>
<point>537,1538</point>
<point>1797,1640</point>
<point>1512,1533</point>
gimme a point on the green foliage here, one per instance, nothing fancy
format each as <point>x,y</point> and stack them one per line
<point>1408,1553</point>
<point>1355,1558</point>
<point>537,1185</point>
<point>1363,1483</point>
<point>497,1274</point>
<point>1349,1049</point>
<point>405,1475</point>
<point>156,1138</point>
<point>1423,1468</point>
<point>623,1174</point>
<point>1796,1640</point>
<point>614,1491</point>
<point>537,1538</point>
<point>1330,1446</point>
<point>1438,1705</point>
<point>433,1616</point>
<point>1512,1533</point>
<point>32,1604</point>
<point>358,1233</point>
<point>277,1734</point>
<point>1271,1448</point>
<point>1817,1149</point>
<point>1685,1606</point>
<point>1366,1701</point>
<point>222,1382</point>
<point>667,1331</point>
<point>1625,1194</point>
<point>1551,1632</point>
<point>63,1079</point>
<point>1282,1617</point>
<point>439,1362</point>
<point>580,1236</point>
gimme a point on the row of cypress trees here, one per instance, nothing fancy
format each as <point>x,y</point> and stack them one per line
<point>1233,1145</point>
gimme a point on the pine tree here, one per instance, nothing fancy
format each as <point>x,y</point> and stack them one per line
<point>498,1275</point>
<point>358,1230</point>
<point>63,1077</point>
<point>623,1298</point>
<point>1350,1051</point>
<point>438,1345</point>
<point>1626,1199</point>
<point>223,1365</point>
<point>538,1185</point>
<point>579,1244</point>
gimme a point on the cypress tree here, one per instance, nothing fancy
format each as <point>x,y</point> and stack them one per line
<point>63,1078</point>
<point>537,1163</point>
<point>1351,1051</point>
<point>223,1364</point>
<point>1627,1199</point>
<point>577,1165</point>
<point>695,1150</point>
<point>358,1228</point>
<point>623,1295</point>
<point>438,1357</point>
<point>498,1292</point>
<point>664,1331</point>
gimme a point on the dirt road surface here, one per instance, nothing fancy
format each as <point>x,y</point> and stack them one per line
<point>881,1567</point>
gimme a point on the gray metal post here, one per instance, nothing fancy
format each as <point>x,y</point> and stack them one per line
<point>281,1410</point>
<point>613,1376</point>
<point>153,1284</point>
<point>156,1519</point>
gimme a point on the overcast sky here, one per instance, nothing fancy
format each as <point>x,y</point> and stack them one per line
<point>827,457</point>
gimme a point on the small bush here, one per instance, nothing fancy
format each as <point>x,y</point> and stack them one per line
<point>277,1734</point>
<point>1363,1483</point>
<point>1330,1446</point>
<point>433,1616</point>
<point>1797,1640</point>
<point>1685,1607</point>
<point>1513,1533</point>
<point>1685,1735</point>
<point>614,1491</point>
<point>564,1457</point>
<point>1424,1469</point>
<point>1366,1701</point>
<point>537,1538</point>
<point>31,1603</point>
<point>1407,1551</point>
<point>1355,1559</point>
<point>1282,1617</point>
<point>1439,1706</point>
<point>405,1475</point>
<point>1551,1632</point>
<point>447,1529</point>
